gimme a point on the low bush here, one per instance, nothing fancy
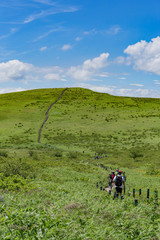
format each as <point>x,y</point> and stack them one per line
<point>135,153</point>
<point>58,153</point>
<point>15,183</point>
<point>18,167</point>
<point>72,154</point>
<point>3,154</point>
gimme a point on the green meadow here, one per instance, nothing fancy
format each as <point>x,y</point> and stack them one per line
<point>48,189</point>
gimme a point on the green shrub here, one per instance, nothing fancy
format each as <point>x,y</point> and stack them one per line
<point>18,167</point>
<point>33,154</point>
<point>58,153</point>
<point>3,154</point>
<point>135,153</point>
<point>14,183</point>
<point>152,171</point>
<point>72,154</point>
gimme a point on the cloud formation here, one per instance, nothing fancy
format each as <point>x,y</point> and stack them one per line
<point>145,55</point>
<point>89,68</point>
<point>113,90</point>
<point>15,70</point>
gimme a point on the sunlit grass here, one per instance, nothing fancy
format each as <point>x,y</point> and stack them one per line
<point>48,189</point>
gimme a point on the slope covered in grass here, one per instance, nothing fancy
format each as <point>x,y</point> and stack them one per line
<point>83,120</point>
<point>48,189</point>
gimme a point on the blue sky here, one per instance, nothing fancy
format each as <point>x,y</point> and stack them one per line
<point>107,46</point>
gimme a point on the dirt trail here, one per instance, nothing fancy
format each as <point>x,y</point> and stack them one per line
<point>47,112</point>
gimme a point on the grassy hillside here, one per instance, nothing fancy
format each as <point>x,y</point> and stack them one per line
<point>83,121</point>
<point>48,189</point>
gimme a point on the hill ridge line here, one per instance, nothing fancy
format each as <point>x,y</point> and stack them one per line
<point>47,112</point>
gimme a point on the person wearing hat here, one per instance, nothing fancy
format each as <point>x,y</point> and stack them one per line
<point>119,182</point>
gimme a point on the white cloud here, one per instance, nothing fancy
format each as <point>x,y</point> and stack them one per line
<point>17,71</point>
<point>43,48</point>
<point>8,90</point>
<point>104,75</point>
<point>54,77</point>
<point>96,63</point>
<point>113,90</point>
<point>145,55</point>
<point>14,70</point>
<point>46,34</point>
<point>113,30</point>
<point>66,47</point>
<point>136,85</point>
<point>48,12</point>
<point>89,68</point>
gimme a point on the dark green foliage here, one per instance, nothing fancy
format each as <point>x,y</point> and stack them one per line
<point>58,153</point>
<point>135,153</point>
<point>18,167</point>
<point>72,154</point>
<point>3,154</point>
<point>152,170</point>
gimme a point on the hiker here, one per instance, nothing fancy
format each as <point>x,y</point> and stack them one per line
<point>124,175</point>
<point>111,177</point>
<point>119,183</point>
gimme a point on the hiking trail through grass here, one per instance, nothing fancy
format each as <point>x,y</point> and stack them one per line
<point>47,112</point>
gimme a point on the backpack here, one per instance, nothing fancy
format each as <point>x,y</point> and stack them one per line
<point>118,181</point>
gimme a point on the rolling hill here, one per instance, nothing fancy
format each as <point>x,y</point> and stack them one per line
<point>57,148</point>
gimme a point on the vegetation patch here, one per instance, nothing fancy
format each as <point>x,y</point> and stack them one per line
<point>56,189</point>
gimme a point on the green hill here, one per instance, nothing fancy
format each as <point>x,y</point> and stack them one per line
<point>82,120</point>
<point>48,188</point>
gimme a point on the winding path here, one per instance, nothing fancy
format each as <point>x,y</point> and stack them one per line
<point>47,112</point>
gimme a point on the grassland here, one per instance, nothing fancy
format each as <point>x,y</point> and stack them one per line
<point>48,189</point>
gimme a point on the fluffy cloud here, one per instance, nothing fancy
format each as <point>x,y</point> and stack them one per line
<point>89,68</point>
<point>52,76</point>
<point>15,70</point>
<point>145,55</point>
<point>55,77</point>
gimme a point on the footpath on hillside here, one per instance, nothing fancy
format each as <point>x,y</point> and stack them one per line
<point>46,114</point>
